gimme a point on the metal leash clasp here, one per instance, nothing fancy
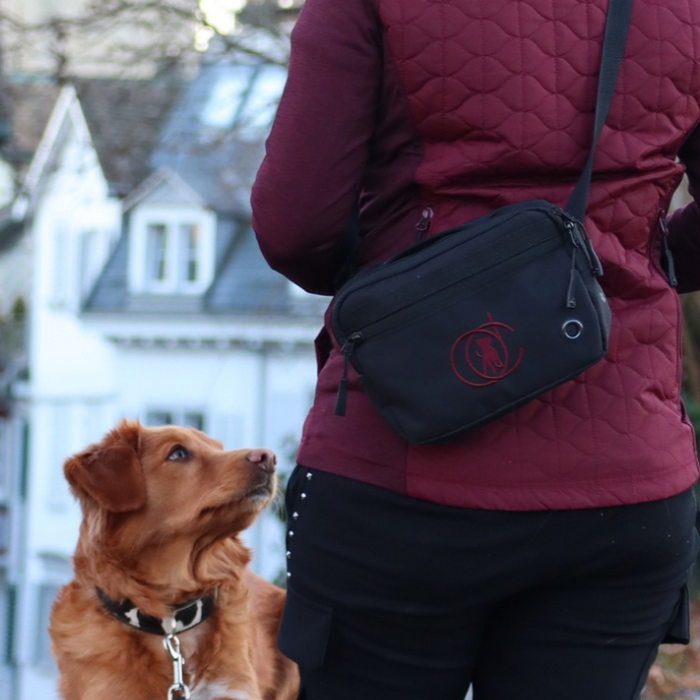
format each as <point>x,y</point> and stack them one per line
<point>178,689</point>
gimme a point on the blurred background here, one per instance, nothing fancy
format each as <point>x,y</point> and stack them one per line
<point>130,281</point>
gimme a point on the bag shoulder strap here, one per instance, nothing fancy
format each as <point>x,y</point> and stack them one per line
<point>614,38</point>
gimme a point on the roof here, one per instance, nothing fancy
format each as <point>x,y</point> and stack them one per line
<point>125,118</point>
<point>163,176</point>
<point>214,136</point>
<point>243,284</point>
<point>210,131</point>
<point>29,106</point>
<point>206,138</point>
<point>208,135</point>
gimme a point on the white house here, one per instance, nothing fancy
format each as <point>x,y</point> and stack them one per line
<point>128,260</point>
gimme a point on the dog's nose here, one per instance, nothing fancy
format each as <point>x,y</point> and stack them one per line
<point>265,459</point>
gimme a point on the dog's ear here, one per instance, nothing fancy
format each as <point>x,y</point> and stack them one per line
<point>109,472</point>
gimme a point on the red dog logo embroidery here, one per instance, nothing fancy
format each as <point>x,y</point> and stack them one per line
<point>481,357</point>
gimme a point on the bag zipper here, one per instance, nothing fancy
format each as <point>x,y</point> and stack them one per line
<point>579,240</point>
<point>455,270</point>
<point>395,320</point>
<point>356,337</point>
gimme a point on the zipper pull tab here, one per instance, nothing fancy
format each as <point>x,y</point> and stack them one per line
<point>580,239</point>
<point>667,256</point>
<point>574,235</point>
<point>342,395</point>
<point>423,225</point>
<point>570,297</point>
<point>593,258</point>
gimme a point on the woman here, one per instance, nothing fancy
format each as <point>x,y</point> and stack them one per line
<point>545,555</point>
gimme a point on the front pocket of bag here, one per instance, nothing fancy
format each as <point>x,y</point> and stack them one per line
<point>437,369</point>
<point>413,294</point>
<point>304,631</point>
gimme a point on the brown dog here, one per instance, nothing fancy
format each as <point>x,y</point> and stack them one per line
<point>161,511</point>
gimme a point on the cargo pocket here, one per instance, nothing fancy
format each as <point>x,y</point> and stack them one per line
<point>678,631</point>
<point>304,631</point>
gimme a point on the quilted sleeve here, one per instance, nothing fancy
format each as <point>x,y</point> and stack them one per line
<point>318,147</point>
<point>684,224</point>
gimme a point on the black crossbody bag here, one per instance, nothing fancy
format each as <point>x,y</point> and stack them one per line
<point>478,320</point>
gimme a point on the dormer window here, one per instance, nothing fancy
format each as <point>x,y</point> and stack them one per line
<point>172,251</point>
<point>157,252</point>
<point>174,254</point>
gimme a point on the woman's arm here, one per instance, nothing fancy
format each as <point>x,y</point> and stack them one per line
<point>684,224</point>
<point>308,182</point>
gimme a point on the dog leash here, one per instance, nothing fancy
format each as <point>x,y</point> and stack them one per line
<point>171,643</point>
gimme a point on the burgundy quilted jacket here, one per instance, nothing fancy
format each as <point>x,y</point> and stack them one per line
<point>464,106</point>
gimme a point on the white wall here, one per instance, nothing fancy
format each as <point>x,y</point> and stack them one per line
<point>16,274</point>
<point>71,392</point>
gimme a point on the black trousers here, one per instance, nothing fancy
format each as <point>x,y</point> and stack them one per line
<point>390,598</point>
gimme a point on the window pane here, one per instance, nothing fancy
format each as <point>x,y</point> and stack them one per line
<point>193,420</point>
<point>159,418</point>
<point>190,243</point>
<point>47,593</point>
<point>62,267</point>
<point>255,117</point>
<point>7,619</point>
<point>225,99</point>
<point>188,419</point>
<point>4,530</point>
<point>156,252</point>
<point>89,261</point>
<point>5,458</point>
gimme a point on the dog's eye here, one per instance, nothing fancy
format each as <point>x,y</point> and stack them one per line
<point>178,454</point>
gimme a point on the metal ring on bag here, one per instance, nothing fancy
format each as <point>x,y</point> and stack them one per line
<point>572,328</point>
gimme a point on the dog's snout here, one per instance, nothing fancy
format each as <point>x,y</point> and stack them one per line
<point>265,459</point>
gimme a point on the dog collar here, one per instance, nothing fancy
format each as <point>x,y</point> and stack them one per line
<point>184,617</point>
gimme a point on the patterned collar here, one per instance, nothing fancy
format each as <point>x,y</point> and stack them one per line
<point>185,616</point>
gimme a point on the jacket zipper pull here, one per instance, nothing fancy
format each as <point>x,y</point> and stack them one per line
<point>342,395</point>
<point>669,264</point>
<point>423,225</point>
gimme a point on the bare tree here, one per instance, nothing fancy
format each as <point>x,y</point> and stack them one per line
<point>140,38</point>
